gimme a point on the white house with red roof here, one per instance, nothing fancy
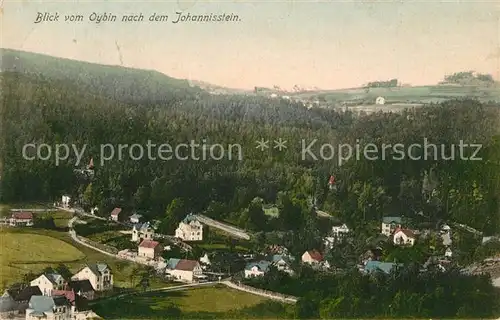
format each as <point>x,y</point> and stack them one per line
<point>312,257</point>
<point>115,214</point>
<point>184,270</point>
<point>21,219</point>
<point>150,249</point>
<point>404,237</point>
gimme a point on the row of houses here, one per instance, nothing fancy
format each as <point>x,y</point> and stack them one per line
<point>51,296</point>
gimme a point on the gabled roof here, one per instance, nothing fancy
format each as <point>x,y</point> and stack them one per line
<point>142,226</point>
<point>97,268</point>
<point>81,286</point>
<point>69,294</point>
<point>22,215</point>
<point>186,265</point>
<point>389,220</point>
<point>189,218</point>
<point>43,304</point>
<point>278,257</point>
<point>172,262</point>
<point>53,277</point>
<point>409,233</point>
<point>116,211</point>
<point>23,293</point>
<point>7,304</point>
<point>148,244</point>
<point>261,265</point>
<point>315,255</point>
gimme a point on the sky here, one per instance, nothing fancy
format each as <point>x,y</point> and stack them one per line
<point>327,44</point>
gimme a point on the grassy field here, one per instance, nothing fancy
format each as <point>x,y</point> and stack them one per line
<point>22,253</point>
<point>200,303</point>
<point>30,249</point>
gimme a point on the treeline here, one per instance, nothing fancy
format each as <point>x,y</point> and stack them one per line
<point>405,293</point>
<point>383,84</point>
<point>39,110</point>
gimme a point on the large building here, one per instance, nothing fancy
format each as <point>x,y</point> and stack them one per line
<point>47,282</point>
<point>99,275</point>
<point>190,229</point>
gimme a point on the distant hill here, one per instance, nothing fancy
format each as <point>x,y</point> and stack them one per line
<point>117,82</point>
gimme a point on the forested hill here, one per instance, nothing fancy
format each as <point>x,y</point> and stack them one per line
<point>117,82</point>
<point>47,107</point>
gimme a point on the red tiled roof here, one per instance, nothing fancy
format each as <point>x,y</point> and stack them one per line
<point>407,232</point>
<point>22,215</point>
<point>186,265</point>
<point>116,211</point>
<point>70,294</point>
<point>148,244</point>
<point>315,255</point>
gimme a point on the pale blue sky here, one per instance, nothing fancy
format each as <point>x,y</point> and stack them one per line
<point>329,44</point>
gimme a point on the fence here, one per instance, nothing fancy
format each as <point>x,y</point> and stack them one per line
<point>262,292</point>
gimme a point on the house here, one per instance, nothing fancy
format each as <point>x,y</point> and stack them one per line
<point>205,261</point>
<point>446,238</point>
<point>82,288</point>
<point>448,253</point>
<point>48,282</point>
<point>282,263</point>
<point>79,305</point>
<point>65,201</point>
<point>375,266</point>
<point>340,231</point>
<point>184,270</point>
<point>48,308</point>
<point>380,100</point>
<point>390,224</point>
<point>256,269</point>
<point>190,229</point>
<point>115,214</point>
<point>135,218</point>
<point>99,275</point>
<point>15,299</point>
<point>404,237</point>
<point>371,254</point>
<point>142,231</point>
<point>21,219</point>
<point>150,249</point>
<point>312,257</point>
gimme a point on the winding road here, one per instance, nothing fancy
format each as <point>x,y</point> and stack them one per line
<point>269,295</point>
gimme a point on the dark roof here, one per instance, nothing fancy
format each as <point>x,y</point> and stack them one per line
<point>24,293</point>
<point>97,268</point>
<point>81,285</point>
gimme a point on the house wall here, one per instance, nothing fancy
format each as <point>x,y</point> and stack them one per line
<point>306,257</point>
<point>87,274</point>
<point>44,284</point>
<point>401,238</point>
<point>388,229</point>
<point>182,275</point>
<point>254,272</point>
<point>146,252</point>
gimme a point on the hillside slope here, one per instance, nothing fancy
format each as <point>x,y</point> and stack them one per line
<point>116,82</point>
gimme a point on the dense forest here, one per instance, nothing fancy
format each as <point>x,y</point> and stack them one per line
<point>405,293</point>
<point>86,105</point>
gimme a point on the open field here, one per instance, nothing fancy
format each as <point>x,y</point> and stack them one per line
<point>199,303</point>
<point>420,94</point>
<point>22,253</point>
<point>32,249</point>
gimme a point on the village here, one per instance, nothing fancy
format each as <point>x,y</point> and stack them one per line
<point>186,258</point>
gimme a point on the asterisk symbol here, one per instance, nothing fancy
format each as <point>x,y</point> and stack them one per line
<point>280,144</point>
<point>262,144</point>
